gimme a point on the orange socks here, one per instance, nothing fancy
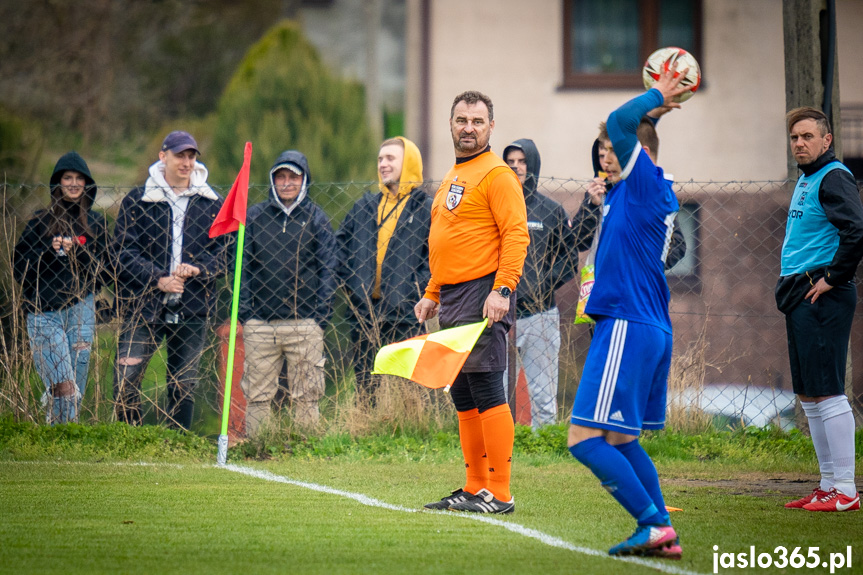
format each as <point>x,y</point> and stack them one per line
<point>470,432</point>
<point>498,430</point>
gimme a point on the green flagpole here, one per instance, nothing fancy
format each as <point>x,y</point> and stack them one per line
<point>232,343</point>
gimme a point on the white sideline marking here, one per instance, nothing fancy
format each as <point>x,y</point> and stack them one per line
<point>545,538</point>
<point>358,497</point>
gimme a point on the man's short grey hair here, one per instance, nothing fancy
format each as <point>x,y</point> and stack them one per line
<point>470,98</point>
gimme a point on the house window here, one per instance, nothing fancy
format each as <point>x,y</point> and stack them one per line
<point>606,42</point>
<point>852,140</point>
<point>684,277</point>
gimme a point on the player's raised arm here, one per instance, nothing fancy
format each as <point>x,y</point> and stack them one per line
<point>623,123</point>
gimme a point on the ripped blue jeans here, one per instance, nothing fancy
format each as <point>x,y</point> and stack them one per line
<point>60,341</point>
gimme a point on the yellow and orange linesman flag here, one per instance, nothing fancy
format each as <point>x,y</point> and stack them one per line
<point>432,360</point>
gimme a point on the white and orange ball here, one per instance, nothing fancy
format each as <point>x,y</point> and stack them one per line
<point>662,60</point>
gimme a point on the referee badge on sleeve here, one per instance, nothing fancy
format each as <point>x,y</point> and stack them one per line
<point>453,196</point>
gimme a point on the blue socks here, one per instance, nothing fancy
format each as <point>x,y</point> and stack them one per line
<point>620,479</point>
<point>644,469</point>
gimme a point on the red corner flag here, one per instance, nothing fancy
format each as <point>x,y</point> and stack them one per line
<point>233,212</point>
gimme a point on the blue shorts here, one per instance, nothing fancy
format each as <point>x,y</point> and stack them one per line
<point>625,378</point>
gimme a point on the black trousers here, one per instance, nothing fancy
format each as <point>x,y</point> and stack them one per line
<point>462,304</point>
<point>478,390</point>
<point>184,342</point>
<point>818,335</point>
<point>480,383</point>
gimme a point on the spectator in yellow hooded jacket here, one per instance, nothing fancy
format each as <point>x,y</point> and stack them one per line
<point>383,256</point>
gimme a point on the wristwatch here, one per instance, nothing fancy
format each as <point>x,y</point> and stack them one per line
<point>504,291</point>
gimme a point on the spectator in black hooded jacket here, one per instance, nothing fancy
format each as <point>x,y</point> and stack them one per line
<point>286,295</point>
<point>549,265</point>
<point>58,261</point>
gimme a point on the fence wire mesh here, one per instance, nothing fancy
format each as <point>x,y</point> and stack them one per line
<point>89,333</point>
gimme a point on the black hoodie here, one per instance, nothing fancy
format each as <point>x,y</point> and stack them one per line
<point>50,280</point>
<point>289,258</point>
<point>549,263</point>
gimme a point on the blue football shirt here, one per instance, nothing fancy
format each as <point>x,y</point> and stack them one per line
<point>638,218</point>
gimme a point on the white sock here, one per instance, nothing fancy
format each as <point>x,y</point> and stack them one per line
<point>819,440</point>
<point>839,428</point>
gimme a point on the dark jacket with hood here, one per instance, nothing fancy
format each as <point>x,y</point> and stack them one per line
<point>143,244</point>
<point>405,268</point>
<point>549,263</point>
<point>289,257</point>
<point>52,281</point>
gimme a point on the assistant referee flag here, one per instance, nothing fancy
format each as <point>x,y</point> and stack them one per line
<point>432,360</point>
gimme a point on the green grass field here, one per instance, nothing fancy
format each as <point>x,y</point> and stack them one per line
<point>101,510</point>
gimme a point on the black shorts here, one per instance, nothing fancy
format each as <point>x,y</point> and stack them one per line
<point>461,304</point>
<point>480,391</point>
<point>818,337</point>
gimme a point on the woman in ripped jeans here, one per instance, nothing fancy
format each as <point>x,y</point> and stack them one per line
<point>58,262</point>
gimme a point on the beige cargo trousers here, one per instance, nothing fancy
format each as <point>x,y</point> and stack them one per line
<point>268,344</point>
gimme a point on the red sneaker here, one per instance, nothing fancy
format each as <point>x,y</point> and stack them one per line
<point>834,501</point>
<point>814,496</point>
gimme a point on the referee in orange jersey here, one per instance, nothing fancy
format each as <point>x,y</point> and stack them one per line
<point>477,244</point>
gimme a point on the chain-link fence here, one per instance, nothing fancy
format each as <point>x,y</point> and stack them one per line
<point>323,289</point>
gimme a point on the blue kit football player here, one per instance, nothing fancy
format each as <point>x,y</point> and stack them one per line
<point>623,387</point>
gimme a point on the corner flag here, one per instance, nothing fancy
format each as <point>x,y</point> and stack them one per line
<point>233,212</point>
<point>432,360</point>
<point>232,217</point>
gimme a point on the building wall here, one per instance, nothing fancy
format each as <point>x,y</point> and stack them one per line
<point>363,40</point>
<point>731,130</point>
<point>849,34</point>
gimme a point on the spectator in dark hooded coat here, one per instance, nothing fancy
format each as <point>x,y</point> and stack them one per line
<point>59,262</point>
<point>548,265</point>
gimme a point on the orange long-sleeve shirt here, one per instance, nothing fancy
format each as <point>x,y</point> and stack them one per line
<point>478,225</point>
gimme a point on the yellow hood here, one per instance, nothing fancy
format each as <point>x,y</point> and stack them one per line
<point>412,169</point>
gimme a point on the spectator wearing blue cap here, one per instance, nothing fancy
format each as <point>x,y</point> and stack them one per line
<point>167,267</point>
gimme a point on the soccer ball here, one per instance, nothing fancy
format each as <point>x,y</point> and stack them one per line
<point>662,60</point>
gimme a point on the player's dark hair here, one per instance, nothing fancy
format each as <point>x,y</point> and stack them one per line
<point>470,98</point>
<point>808,113</point>
<point>393,142</point>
